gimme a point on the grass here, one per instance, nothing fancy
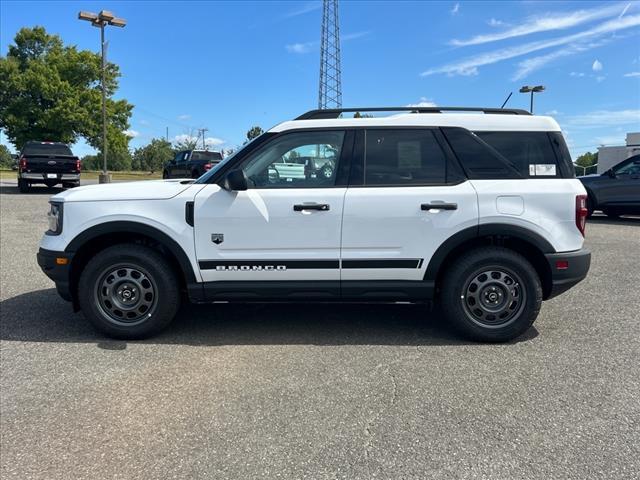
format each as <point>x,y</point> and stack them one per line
<point>93,175</point>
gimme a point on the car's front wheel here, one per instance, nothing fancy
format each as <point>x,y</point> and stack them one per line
<point>491,294</point>
<point>128,291</point>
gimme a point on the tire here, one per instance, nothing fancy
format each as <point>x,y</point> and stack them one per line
<point>494,307</point>
<point>71,185</point>
<point>23,186</point>
<point>133,269</point>
<point>611,213</point>
<point>326,172</point>
<point>165,175</point>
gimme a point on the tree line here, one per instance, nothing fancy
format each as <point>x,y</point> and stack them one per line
<point>49,91</point>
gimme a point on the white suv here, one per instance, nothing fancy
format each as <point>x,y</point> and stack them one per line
<point>477,209</point>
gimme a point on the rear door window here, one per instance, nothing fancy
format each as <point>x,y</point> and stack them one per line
<point>531,153</point>
<point>404,157</point>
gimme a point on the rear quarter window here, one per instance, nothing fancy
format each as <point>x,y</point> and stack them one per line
<point>532,153</point>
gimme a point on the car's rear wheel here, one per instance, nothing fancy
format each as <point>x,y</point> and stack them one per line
<point>23,186</point>
<point>611,212</point>
<point>491,294</point>
<point>128,291</point>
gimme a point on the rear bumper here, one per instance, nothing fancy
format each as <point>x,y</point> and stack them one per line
<point>562,279</point>
<point>60,274</point>
<point>42,177</point>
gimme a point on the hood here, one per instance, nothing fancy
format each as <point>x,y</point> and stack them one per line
<point>142,190</point>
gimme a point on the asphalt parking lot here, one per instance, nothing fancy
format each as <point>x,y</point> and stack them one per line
<point>318,391</point>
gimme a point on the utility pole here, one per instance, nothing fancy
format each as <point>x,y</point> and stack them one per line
<point>167,134</point>
<point>101,20</point>
<point>202,131</point>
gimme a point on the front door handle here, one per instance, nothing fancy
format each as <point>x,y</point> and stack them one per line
<point>311,206</point>
<point>439,206</point>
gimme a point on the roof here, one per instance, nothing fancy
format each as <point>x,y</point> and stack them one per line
<point>471,121</point>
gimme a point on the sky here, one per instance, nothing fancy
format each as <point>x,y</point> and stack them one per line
<point>227,66</point>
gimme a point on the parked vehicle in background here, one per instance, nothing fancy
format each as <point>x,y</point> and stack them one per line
<point>48,163</point>
<point>617,191</point>
<point>479,211</point>
<point>191,163</point>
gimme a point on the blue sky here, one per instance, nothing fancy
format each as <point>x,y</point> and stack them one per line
<point>227,66</point>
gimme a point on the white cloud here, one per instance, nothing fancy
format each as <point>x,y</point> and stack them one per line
<point>547,22</point>
<point>469,65</point>
<point>143,122</point>
<point>530,64</point>
<point>632,74</point>
<point>309,7</point>
<point>576,74</point>
<point>624,10</point>
<point>597,66</point>
<point>552,112</point>
<point>213,141</point>
<point>424,102</point>
<point>600,118</point>
<point>495,23</point>
<point>600,78</point>
<point>455,9</point>
<point>208,141</point>
<point>131,133</point>
<point>184,116</point>
<point>306,47</point>
<point>300,47</point>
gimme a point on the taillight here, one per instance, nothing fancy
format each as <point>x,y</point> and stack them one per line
<point>78,165</point>
<point>207,166</point>
<point>581,212</point>
<point>23,163</point>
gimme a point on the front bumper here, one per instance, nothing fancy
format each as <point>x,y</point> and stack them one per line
<point>42,177</point>
<point>60,273</point>
<point>567,269</point>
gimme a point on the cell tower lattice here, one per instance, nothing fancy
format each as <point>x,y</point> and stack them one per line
<point>330,91</point>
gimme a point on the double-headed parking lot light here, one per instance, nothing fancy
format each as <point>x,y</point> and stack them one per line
<point>536,89</point>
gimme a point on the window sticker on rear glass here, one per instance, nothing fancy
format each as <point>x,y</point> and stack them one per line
<point>543,170</point>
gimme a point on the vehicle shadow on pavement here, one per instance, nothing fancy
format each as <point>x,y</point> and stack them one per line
<point>41,316</point>
<point>604,220</point>
<point>35,190</point>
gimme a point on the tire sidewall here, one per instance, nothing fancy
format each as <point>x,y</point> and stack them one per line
<point>458,277</point>
<point>151,262</point>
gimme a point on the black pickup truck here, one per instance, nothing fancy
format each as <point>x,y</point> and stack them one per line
<point>48,163</point>
<point>191,163</point>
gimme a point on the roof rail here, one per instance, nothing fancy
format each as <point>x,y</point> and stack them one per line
<point>336,112</point>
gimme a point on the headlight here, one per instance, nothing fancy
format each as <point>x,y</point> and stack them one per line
<point>55,219</point>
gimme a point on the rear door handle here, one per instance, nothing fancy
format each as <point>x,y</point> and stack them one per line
<point>439,206</point>
<point>311,206</point>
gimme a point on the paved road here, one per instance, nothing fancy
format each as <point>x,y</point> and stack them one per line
<point>319,392</point>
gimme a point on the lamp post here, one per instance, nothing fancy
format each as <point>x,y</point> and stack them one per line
<point>536,89</point>
<point>101,20</point>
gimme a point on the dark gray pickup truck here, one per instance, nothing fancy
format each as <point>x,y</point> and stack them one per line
<point>48,163</point>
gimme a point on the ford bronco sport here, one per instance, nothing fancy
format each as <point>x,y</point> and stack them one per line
<point>476,209</point>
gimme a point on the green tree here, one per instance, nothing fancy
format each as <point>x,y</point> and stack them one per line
<point>49,91</point>
<point>91,162</point>
<point>152,156</point>
<point>6,161</point>
<point>253,132</point>
<point>587,161</point>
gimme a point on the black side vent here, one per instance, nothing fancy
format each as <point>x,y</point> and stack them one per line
<point>188,213</point>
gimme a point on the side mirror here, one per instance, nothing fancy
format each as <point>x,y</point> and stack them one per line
<point>236,181</point>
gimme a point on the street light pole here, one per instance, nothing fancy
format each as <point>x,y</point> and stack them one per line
<point>101,20</point>
<point>104,178</point>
